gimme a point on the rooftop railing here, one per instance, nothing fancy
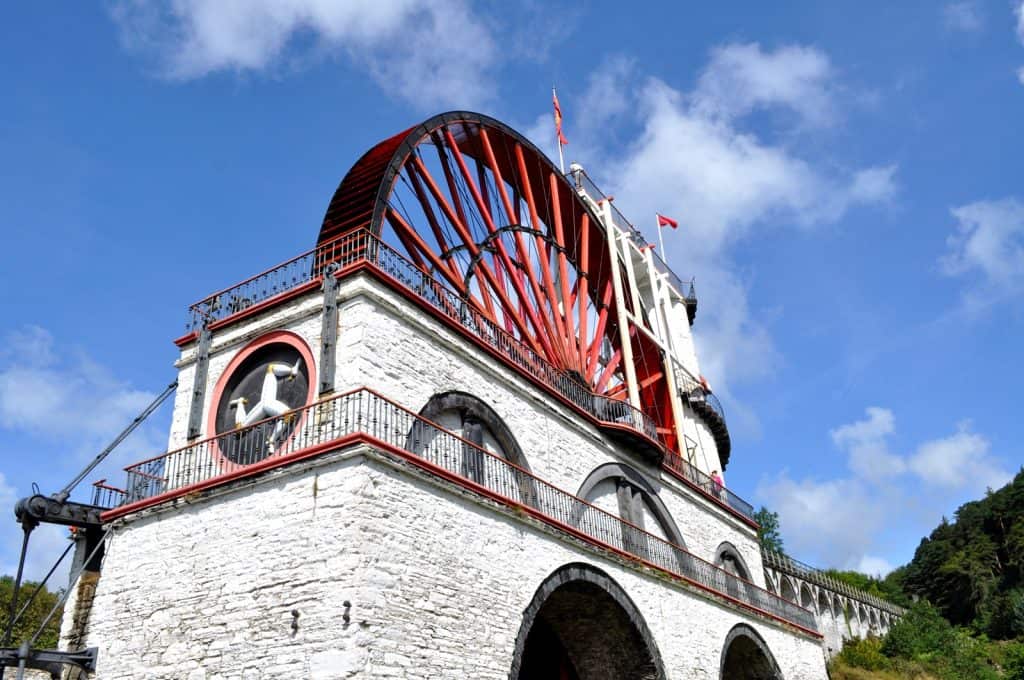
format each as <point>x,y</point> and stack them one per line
<point>691,389</point>
<point>362,246</point>
<point>366,416</point>
<point>582,182</point>
<point>784,563</point>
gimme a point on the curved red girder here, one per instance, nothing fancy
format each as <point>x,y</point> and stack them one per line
<point>480,208</point>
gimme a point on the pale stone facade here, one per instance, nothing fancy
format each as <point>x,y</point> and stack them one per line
<point>436,581</point>
<point>436,578</point>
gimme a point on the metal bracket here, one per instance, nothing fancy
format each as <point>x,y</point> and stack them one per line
<point>50,660</point>
<point>195,414</point>
<point>329,330</point>
<point>40,509</point>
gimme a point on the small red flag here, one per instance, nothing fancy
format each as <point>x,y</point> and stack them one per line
<point>558,119</point>
<point>666,221</point>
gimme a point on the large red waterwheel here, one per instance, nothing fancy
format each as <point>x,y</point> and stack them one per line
<point>479,208</point>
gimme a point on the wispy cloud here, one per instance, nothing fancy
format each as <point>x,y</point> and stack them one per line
<point>60,398</point>
<point>695,155</point>
<point>47,543</point>
<point>965,17</point>
<point>429,52</point>
<point>841,521</point>
<point>987,250</point>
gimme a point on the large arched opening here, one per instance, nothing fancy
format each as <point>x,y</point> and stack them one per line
<point>581,625</point>
<point>745,656</point>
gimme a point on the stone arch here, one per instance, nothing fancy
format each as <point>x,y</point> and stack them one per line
<point>786,589</point>
<point>472,419</point>
<point>582,625</point>
<point>873,623</point>
<point>745,656</point>
<point>731,560</point>
<point>635,498</point>
<point>474,411</point>
<point>837,607</point>
<point>806,597</point>
<point>862,617</point>
<point>824,603</point>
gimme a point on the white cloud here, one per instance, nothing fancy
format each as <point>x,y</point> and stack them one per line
<point>959,460</point>
<point>865,445</point>
<point>427,51</point>
<point>1019,11</point>
<point>61,399</point>
<point>1020,75</point>
<point>741,78</point>
<point>874,566</point>
<point>46,544</point>
<point>695,157</point>
<point>834,521</point>
<point>963,16</point>
<point>57,399</point>
<point>839,521</point>
<point>988,242</point>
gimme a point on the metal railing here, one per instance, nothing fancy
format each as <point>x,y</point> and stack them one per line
<point>362,246</point>
<point>106,496</point>
<point>684,469</point>
<point>286,276</point>
<point>582,182</point>
<point>784,563</point>
<point>363,412</point>
<point>691,390</point>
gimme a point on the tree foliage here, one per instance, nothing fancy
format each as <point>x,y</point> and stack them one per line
<point>768,532</point>
<point>972,569</point>
<point>33,616</point>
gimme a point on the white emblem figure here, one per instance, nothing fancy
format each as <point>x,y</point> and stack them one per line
<point>269,406</point>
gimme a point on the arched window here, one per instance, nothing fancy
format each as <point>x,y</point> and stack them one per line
<point>623,491</point>
<point>728,558</point>
<point>477,423</point>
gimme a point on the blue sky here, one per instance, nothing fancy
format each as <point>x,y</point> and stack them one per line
<point>846,176</point>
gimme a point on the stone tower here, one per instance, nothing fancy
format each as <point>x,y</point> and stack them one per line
<point>465,436</point>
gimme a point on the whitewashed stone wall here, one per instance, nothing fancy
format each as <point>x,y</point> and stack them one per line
<point>391,345</point>
<point>437,582</point>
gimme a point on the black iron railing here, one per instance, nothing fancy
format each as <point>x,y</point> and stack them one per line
<point>692,390</point>
<point>314,428</point>
<point>362,246</point>
<point>682,468</point>
<point>282,278</point>
<point>786,564</point>
<point>582,182</point>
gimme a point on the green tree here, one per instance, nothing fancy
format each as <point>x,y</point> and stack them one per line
<point>33,616</point>
<point>768,529</point>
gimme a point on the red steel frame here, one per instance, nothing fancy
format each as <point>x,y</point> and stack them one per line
<point>479,207</point>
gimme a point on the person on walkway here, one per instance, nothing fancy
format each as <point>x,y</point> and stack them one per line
<point>716,484</point>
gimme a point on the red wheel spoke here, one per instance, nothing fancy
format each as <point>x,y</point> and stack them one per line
<point>428,211</point>
<point>602,321</point>
<point>563,267</point>
<point>609,370</point>
<point>485,213</point>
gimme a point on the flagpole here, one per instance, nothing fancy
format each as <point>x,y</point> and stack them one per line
<point>661,239</point>
<point>558,137</point>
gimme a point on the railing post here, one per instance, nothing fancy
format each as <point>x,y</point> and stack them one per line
<point>195,414</point>
<point>329,330</point>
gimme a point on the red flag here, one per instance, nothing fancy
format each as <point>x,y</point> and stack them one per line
<point>558,119</point>
<point>666,221</point>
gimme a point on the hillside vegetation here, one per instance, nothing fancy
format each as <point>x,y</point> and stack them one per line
<point>965,591</point>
